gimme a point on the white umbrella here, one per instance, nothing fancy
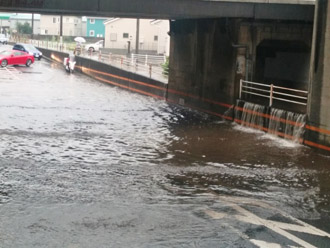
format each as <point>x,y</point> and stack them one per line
<point>80,39</point>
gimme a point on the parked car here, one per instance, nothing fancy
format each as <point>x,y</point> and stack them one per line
<point>3,39</point>
<point>95,46</point>
<point>15,58</point>
<point>28,48</point>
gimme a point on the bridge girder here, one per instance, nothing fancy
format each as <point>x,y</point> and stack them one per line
<point>166,9</point>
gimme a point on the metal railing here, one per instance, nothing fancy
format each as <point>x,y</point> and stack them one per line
<point>147,65</point>
<point>132,64</point>
<point>50,45</point>
<point>273,92</point>
<point>148,59</point>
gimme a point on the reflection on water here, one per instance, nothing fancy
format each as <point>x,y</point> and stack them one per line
<point>83,162</point>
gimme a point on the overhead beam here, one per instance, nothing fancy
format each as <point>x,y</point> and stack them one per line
<point>168,9</point>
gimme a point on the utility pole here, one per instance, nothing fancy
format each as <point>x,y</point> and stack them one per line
<point>32,27</point>
<point>137,36</point>
<point>61,31</point>
<point>128,47</point>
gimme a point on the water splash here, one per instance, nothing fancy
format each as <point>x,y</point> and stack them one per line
<point>252,115</point>
<point>278,122</point>
<point>287,124</point>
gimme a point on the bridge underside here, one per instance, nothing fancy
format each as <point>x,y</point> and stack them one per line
<point>209,57</point>
<point>163,9</point>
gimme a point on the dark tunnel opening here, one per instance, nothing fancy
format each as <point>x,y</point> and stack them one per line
<point>283,63</point>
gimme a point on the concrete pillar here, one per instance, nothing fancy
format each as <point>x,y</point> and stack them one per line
<point>32,21</point>
<point>202,64</point>
<point>319,90</point>
<point>61,29</point>
<point>137,40</point>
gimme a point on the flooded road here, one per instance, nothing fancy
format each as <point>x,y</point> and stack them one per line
<point>84,164</point>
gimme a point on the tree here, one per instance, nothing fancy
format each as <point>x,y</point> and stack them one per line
<point>24,28</point>
<point>166,67</point>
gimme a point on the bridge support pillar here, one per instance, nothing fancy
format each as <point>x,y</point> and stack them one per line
<point>319,99</point>
<point>202,64</point>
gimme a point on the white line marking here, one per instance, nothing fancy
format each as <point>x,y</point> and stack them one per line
<point>252,218</point>
<point>263,244</point>
<point>215,215</point>
<point>278,227</point>
<point>9,73</point>
<point>304,226</point>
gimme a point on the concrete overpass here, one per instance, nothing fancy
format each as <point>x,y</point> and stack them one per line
<point>169,9</point>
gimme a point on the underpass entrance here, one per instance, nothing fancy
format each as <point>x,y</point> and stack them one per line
<point>276,101</point>
<point>284,63</point>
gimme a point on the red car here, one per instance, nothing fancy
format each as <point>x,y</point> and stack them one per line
<point>15,58</point>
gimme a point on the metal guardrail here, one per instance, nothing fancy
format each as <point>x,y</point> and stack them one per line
<point>148,65</point>
<point>148,59</point>
<point>273,92</point>
<point>132,64</point>
<point>50,45</point>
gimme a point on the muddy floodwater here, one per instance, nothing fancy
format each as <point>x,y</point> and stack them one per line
<point>84,164</point>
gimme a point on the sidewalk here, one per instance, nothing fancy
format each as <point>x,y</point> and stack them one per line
<point>124,63</point>
<point>120,61</point>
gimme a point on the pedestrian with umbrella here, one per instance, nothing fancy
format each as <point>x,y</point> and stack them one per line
<point>78,48</point>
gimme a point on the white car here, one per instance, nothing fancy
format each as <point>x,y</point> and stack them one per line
<point>95,47</point>
<point>3,39</point>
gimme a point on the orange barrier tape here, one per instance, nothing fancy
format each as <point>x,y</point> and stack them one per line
<point>160,97</point>
<point>124,78</point>
<point>310,143</point>
<point>316,129</point>
<point>210,112</point>
<point>133,89</point>
<point>157,87</point>
<point>197,97</point>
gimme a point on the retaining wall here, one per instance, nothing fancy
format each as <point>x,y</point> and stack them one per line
<point>121,78</point>
<point>54,55</point>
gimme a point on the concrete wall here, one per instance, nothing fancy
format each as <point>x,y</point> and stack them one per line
<point>319,99</point>
<point>54,55</point>
<point>202,63</point>
<point>279,52</point>
<point>121,78</point>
